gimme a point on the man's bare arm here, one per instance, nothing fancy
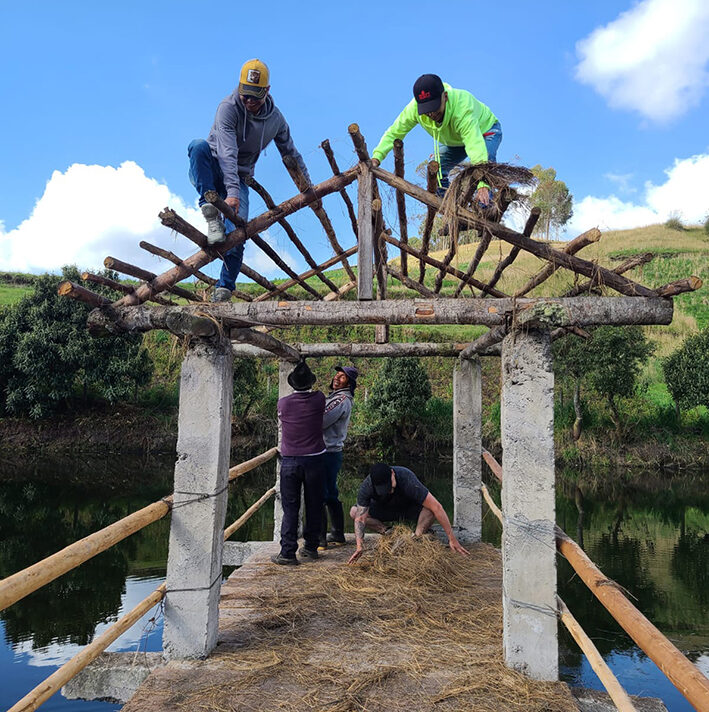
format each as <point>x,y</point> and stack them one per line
<point>440,514</point>
<point>359,526</point>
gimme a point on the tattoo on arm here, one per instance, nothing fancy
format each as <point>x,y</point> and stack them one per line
<point>360,519</point>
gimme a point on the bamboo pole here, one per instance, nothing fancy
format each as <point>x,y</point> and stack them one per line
<point>306,275</point>
<point>258,224</point>
<point>290,232</point>
<point>450,270</point>
<point>215,199</point>
<point>40,694</point>
<point>620,697</point>
<point>570,248</point>
<point>325,145</point>
<point>401,204</point>
<point>24,582</point>
<point>512,256</point>
<point>685,676</point>
<point>119,287</point>
<point>575,264</point>
<point>148,277</point>
<point>592,285</point>
<point>303,185</point>
<point>431,187</point>
<point>249,513</point>
<point>81,294</point>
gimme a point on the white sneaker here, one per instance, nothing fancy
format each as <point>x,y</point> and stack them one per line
<point>215,226</point>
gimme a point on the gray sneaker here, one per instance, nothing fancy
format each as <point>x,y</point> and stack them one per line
<point>307,554</point>
<point>215,225</point>
<point>221,294</point>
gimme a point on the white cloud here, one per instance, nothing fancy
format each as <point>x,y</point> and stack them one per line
<point>623,181</point>
<point>651,59</point>
<point>683,193</point>
<point>89,212</point>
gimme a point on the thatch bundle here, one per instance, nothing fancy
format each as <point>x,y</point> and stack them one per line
<point>412,626</point>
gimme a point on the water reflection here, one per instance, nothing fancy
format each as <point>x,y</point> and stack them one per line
<point>652,538</point>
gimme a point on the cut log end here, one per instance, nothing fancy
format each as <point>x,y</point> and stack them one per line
<point>353,129</point>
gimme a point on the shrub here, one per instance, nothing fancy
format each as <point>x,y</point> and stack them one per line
<point>47,356</point>
<point>687,372</point>
<point>674,222</point>
<point>706,225</point>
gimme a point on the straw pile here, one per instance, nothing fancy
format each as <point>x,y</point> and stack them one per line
<point>412,626</point>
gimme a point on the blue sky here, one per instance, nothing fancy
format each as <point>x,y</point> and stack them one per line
<point>100,101</point>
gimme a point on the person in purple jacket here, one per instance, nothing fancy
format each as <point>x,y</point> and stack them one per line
<point>302,451</point>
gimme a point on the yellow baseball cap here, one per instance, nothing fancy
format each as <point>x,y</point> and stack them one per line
<point>253,80</point>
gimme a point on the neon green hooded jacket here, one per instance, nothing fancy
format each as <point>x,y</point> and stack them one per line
<point>465,121</point>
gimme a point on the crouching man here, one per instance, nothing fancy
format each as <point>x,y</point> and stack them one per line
<point>390,494</point>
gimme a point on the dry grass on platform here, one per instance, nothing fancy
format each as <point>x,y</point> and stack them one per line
<point>412,626</point>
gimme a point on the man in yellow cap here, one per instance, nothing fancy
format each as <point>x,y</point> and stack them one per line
<point>246,122</point>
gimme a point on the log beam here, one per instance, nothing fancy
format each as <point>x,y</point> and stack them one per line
<point>149,279</point>
<point>431,187</point>
<point>410,283</point>
<point>401,204</point>
<point>325,145</point>
<point>120,287</point>
<point>267,343</point>
<point>593,286</point>
<point>365,253</point>
<point>551,313</point>
<point>389,350</point>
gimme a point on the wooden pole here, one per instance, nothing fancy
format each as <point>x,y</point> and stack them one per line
<point>258,224</point>
<point>243,467</point>
<point>268,200</point>
<point>215,199</point>
<point>303,185</point>
<point>148,277</point>
<point>680,286</point>
<point>450,270</point>
<point>325,145</point>
<point>263,282</point>
<point>431,187</point>
<point>512,256</point>
<point>365,230</point>
<point>249,513</point>
<point>119,287</point>
<point>401,204</point>
<point>626,266</point>
<point>40,694</point>
<point>279,289</point>
<point>445,350</point>
<point>264,341</point>
<point>172,257</point>
<point>410,283</point>
<point>575,264</point>
<point>570,248</point>
<point>620,697</point>
<point>348,287</point>
<point>81,294</point>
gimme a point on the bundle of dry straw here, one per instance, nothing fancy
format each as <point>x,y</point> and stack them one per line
<point>412,626</point>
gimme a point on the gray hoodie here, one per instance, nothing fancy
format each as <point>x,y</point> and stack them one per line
<point>238,137</point>
<point>338,408</point>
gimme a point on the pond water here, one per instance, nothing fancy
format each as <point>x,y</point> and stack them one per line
<point>652,538</point>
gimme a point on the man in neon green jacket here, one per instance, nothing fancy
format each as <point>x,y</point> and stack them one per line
<point>462,127</point>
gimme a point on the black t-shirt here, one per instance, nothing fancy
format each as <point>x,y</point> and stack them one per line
<point>408,489</point>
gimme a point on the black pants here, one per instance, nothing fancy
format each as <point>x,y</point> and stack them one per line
<point>309,473</point>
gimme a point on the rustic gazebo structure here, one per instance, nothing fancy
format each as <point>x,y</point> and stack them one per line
<point>520,331</point>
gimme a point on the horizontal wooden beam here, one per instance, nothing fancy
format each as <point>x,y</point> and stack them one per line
<point>445,350</point>
<point>552,313</point>
<point>265,342</point>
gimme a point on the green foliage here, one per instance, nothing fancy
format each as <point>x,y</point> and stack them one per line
<point>687,372</point>
<point>398,397</point>
<point>247,387</point>
<point>674,222</point>
<point>47,356</point>
<point>706,225</point>
<point>554,199</point>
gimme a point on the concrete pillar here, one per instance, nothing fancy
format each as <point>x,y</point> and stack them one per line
<point>528,541</point>
<point>467,454</point>
<point>284,389</point>
<point>194,565</point>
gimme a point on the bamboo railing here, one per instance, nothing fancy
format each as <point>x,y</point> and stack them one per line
<point>46,689</point>
<point>685,676</point>
<point>18,585</point>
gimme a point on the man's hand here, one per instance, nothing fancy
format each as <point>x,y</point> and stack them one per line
<point>233,203</point>
<point>483,196</point>
<point>375,162</point>
<point>455,546</point>
<point>355,556</point>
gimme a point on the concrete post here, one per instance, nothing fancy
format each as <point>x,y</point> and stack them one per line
<point>467,455</point>
<point>528,542</point>
<point>194,565</point>
<point>284,389</point>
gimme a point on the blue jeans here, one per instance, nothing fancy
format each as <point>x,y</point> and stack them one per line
<point>451,156</point>
<point>333,464</point>
<point>206,174</point>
